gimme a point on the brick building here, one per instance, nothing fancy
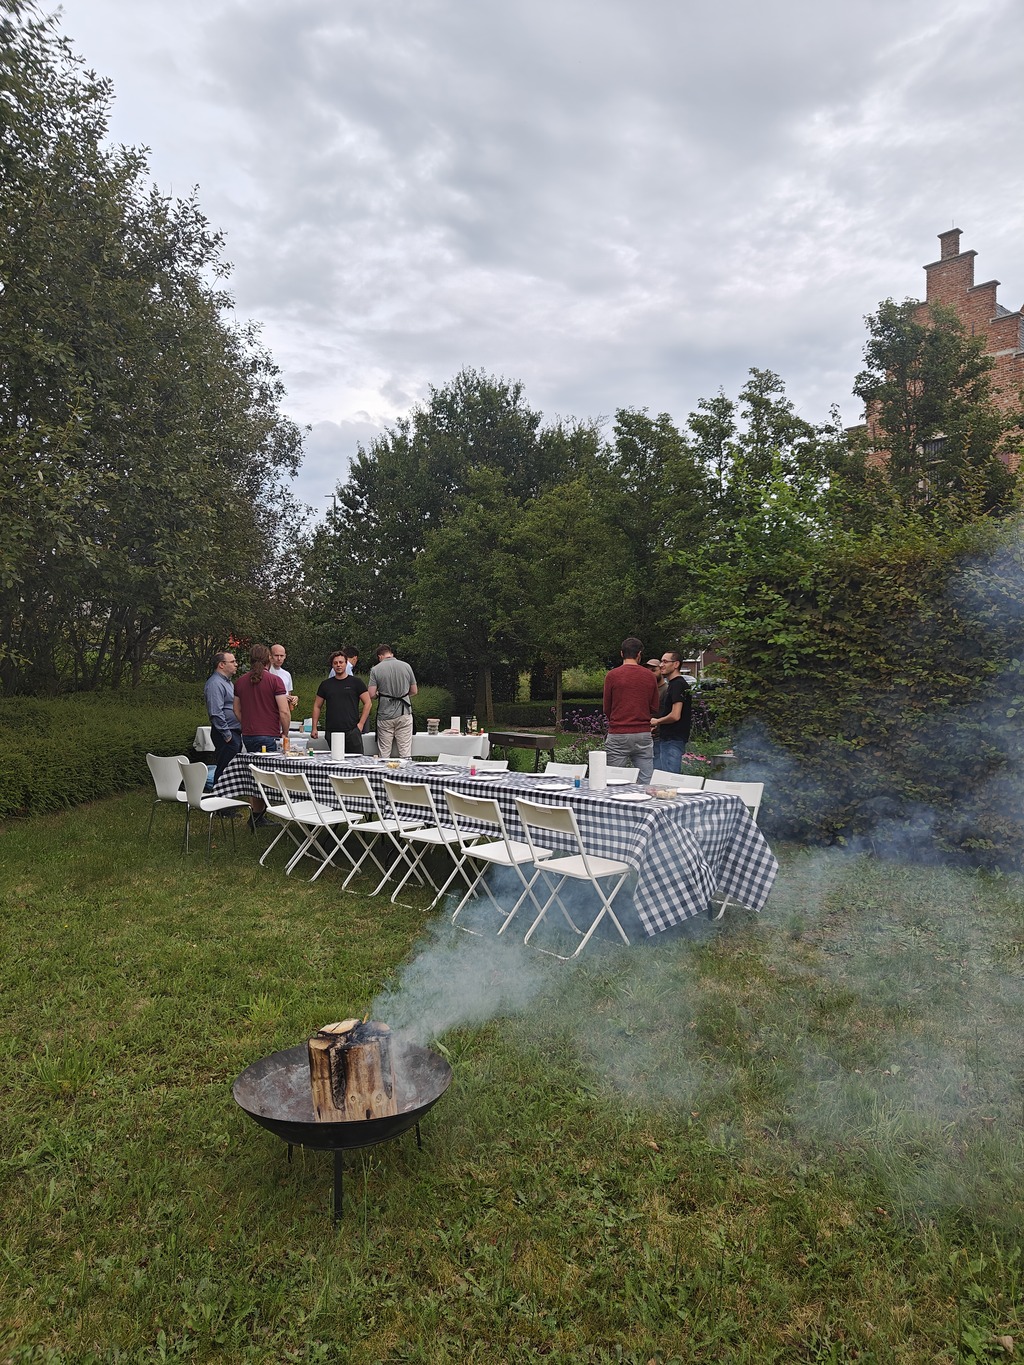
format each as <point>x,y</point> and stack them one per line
<point>950,281</point>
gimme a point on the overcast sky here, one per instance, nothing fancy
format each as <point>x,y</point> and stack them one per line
<point>621,204</point>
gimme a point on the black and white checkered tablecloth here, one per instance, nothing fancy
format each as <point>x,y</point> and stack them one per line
<point>683,850</point>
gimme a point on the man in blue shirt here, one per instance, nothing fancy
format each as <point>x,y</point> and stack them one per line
<point>225,728</point>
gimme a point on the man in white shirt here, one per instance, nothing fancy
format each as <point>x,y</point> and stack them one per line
<point>277,668</point>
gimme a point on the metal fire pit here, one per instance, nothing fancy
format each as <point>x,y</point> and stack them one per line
<point>275,1091</point>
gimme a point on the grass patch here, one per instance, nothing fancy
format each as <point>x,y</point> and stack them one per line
<point>794,1137</point>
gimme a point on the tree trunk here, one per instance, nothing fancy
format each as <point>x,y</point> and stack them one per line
<point>558,697</point>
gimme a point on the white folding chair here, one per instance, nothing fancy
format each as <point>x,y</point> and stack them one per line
<point>683,781</point>
<point>477,847</point>
<point>482,765</point>
<point>573,770</point>
<point>166,773</point>
<point>276,809</point>
<point>750,794</point>
<point>371,830</point>
<point>579,866</point>
<point>314,821</point>
<point>623,774</point>
<point>194,777</point>
<point>422,833</point>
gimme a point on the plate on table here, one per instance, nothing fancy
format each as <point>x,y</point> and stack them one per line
<point>621,781</point>
<point>550,784</point>
<point>486,776</point>
<point>631,796</point>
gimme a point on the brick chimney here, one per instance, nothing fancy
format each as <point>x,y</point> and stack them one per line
<point>950,243</point>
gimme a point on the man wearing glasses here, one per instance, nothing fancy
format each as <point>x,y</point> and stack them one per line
<point>670,728</point>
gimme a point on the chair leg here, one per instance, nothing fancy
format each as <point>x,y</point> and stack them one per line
<point>152,812</point>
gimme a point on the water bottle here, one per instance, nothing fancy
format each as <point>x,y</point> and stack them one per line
<point>576,782</point>
<point>472,770</point>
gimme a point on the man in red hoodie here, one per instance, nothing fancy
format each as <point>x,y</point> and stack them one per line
<point>630,700</point>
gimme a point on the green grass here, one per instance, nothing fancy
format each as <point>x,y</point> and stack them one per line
<point>793,1137</point>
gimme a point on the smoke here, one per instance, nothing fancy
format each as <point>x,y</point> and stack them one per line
<point>458,979</point>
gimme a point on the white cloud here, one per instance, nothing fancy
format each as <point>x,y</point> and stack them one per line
<point>617,205</point>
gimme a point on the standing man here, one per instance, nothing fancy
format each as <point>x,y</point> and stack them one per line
<point>630,701</point>
<point>261,704</point>
<point>225,727</point>
<point>278,670</point>
<point>348,706</point>
<point>393,683</point>
<point>670,729</point>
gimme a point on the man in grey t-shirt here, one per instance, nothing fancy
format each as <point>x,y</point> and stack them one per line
<point>393,684</point>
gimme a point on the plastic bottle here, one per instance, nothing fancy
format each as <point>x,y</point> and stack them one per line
<point>472,770</point>
<point>576,782</point>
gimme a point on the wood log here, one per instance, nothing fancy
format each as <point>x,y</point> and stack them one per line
<point>351,1072</point>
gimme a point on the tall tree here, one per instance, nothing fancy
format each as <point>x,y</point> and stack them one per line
<point>141,435</point>
<point>928,391</point>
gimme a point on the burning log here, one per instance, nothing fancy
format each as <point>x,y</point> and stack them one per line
<point>351,1072</point>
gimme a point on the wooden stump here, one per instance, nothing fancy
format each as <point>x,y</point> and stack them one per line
<point>351,1072</point>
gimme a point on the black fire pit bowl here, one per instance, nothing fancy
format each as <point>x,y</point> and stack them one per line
<point>276,1092</point>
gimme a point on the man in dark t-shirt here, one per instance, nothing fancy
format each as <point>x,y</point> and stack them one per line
<point>670,729</point>
<point>348,705</point>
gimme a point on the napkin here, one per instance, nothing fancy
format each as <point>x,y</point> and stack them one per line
<point>598,770</point>
<point>338,744</point>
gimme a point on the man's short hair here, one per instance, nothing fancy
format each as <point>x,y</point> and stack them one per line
<point>631,648</point>
<point>383,649</point>
<point>221,656</point>
<point>351,652</point>
<point>673,655</point>
<point>338,654</point>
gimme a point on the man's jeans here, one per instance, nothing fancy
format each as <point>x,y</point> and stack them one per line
<point>668,754</point>
<point>631,751</point>
<point>226,743</point>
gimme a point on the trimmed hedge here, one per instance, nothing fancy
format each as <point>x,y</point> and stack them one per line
<point>76,748</point>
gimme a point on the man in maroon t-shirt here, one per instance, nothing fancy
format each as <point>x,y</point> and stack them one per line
<point>630,700</point>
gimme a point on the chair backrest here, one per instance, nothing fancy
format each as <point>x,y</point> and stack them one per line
<point>349,788</point>
<point>294,785</point>
<point>166,775</point>
<point>481,809</point>
<point>683,781</point>
<point>194,776</point>
<point>319,745</point>
<point>560,819</point>
<point>410,794</point>
<point>554,769</point>
<point>624,774</point>
<point>482,765</point>
<point>267,782</point>
<point>750,793</point>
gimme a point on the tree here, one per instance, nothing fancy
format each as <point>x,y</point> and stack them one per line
<point>141,435</point>
<point>928,392</point>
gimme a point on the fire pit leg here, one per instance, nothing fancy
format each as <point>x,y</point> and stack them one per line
<point>289,1154</point>
<point>339,1177</point>
<point>419,1140</point>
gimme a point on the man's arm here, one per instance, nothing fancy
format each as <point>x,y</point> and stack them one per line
<point>283,712</point>
<point>366,701</point>
<point>413,689</point>
<point>318,703</point>
<point>236,706</point>
<point>675,713</point>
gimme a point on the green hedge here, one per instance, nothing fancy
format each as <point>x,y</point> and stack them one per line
<point>65,750</point>
<point>881,680</point>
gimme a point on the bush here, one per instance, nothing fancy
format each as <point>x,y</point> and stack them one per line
<point>76,748</point>
<point>881,679</point>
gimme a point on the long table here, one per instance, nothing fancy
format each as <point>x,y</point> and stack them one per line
<point>683,850</point>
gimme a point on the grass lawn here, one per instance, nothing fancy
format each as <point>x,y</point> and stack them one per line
<point>792,1137</point>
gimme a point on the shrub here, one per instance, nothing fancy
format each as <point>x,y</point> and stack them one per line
<point>77,748</point>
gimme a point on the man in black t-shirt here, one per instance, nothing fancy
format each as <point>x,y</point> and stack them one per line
<point>670,728</point>
<point>348,706</point>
